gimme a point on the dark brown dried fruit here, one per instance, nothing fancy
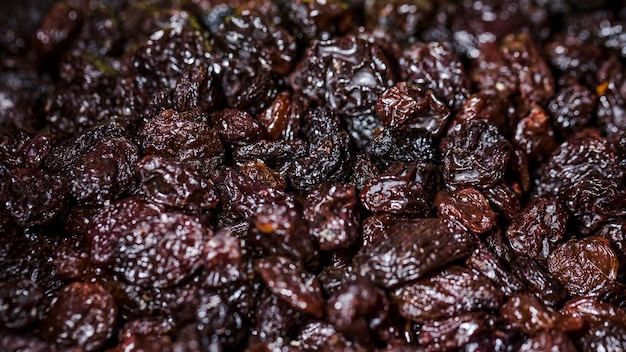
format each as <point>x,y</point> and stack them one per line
<point>528,314</point>
<point>161,251</point>
<point>83,316</point>
<point>236,126</point>
<point>20,303</point>
<point>467,206</point>
<point>287,280</point>
<point>450,292</point>
<point>484,262</point>
<point>412,250</point>
<point>451,333</point>
<point>584,266</point>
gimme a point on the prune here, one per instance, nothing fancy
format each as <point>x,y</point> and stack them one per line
<point>105,172</point>
<point>551,340</point>
<point>539,281</point>
<point>167,182</point>
<point>223,260</point>
<point>83,315</point>
<point>330,211</point>
<point>476,156</point>
<point>112,221</point>
<point>450,292</point>
<point>357,309</point>
<point>347,74</point>
<point>576,160</point>
<point>435,66</point>
<point>409,106</point>
<point>403,189</point>
<point>572,108</point>
<point>467,206</point>
<point>536,231</point>
<point>289,281</point>
<point>160,251</point>
<point>20,303</point>
<point>452,333</point>
<point>534,135</point>
<point>402,145</point>
<point>584,266</point>
<point>593,202</point>
<point>412,250</point>
<point>236,126</point>
<point>490,266</point>
<point>32,196</point>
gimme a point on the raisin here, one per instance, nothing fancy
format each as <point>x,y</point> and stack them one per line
<point>348,74</point>
<point>33,196</point>
<point>260,172</point>
<point>83,315</point>
<point>490,266</point>
<point>584,266</point>
<point>320,335</point>
<point>160,251</point>
<point>71,259</point>
<point>236,126</point>
<point>401,190</point>
<point>167,182</point>
<point>402,19</point>
<point>21,303</point>
<point>191,142</point>
<point>537,230</point>
<point>467,206</point>
<point>317,19</point>
<point>593,312</point>
<point>196,88</point>
<point>528,314</point>
<point>576,160</point>
<point>58,29</point>
<point>223,260</point>
<point>435,66</point>
<point>24,150</point>
<point>108,225</point>
<point>330,211</point>
<point>539,281</point>
<point>452,333</point>
<point>450,292</point>
<point>534,135</point>
<point>551,340</point>
<point>477,156</point>
<point>412,250</point>
<point>410,106</point>
<point>571,109</point>
<point>402,145</point>
<point>593,202</point>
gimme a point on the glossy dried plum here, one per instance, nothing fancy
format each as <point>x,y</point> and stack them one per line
<point>84,316</point>
<point>330,211</point>
<point>537,230</point>
<point>191,142</point>
<point>467,206</point>
<point>450,292</point>
<point>289,281</point>
<point>32,196</point>
<point>412,250</point>
<point>112,221</point>
<point>595,264</point>
<point>435,66</point>
<point>167,182</point>
<point>161,251</point>
<point>477,156</point>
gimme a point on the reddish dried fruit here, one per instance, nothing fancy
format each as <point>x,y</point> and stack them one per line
<point>467,206</point>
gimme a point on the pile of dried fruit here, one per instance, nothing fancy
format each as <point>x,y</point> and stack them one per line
<point>295,175</point>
